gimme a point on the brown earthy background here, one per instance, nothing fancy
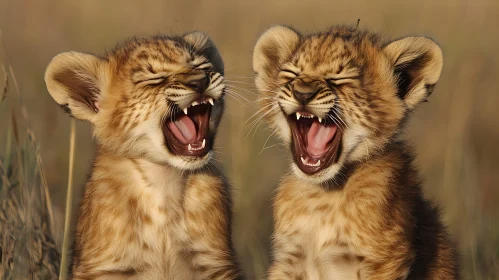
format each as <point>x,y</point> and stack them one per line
<point>456,134</point>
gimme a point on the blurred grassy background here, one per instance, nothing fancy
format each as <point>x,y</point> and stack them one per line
<point>455,134</point>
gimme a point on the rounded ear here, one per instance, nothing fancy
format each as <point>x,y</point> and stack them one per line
<point>418,63</point>
<point>75,81</point>
<point>273,48</point>
<point>203,44</point>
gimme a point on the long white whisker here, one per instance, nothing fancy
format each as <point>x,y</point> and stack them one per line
<point>240,82</point>
<point>241,94</point>
<point>230,68</point>
<point>241,89</point>
<point>254,123</point>
<point>234,97</point>
<point>335,120</point>
<point>265,144</point>
<point>259,119</point>
<point>259,111</point>
<point>271,146</point>
<point>244,77</point>
<point>339,118</point>
<point>236,90</point>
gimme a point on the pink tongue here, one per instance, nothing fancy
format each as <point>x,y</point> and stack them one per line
<point>183,128</point>
<point>318,136</point>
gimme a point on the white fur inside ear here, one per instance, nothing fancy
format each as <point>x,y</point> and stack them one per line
<point>416,95</point>
<point>273,47</point>
<point>421,61</point>
<point>75,81</point>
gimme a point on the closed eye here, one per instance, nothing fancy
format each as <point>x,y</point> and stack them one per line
<point>342,80</point>
<point>150,79</point>
<point>286,76</point>
<point>205,65</point>
<point>288,72</point>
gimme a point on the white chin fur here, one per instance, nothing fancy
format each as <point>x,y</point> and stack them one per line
<point>162,155</point>
<point>317,178</point>
<point>189,163</point>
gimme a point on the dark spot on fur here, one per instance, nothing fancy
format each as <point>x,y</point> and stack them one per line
<point>150,69</point>
<point>136,69</point>
<point>66,108</point>
<point>143,55</point>
<point>429,89</point>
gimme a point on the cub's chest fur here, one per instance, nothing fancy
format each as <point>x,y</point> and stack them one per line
<point>317,225</point>
<point>153,208</point>
<point>339,100</point>
<point>141,210</point>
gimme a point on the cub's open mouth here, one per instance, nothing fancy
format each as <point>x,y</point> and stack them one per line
<point>316,143</point>
<point>187,132</point>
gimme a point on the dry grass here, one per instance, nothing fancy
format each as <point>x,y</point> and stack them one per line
<point>27,247</point>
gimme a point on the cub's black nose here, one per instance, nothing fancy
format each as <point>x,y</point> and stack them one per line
<point>304,97</point>
<point>305,89</point>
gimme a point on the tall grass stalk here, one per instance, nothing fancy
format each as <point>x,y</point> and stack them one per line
<point>63,275</point>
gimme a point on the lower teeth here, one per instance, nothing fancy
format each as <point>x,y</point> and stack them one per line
<point>190,148</point>
<point>304,161</point>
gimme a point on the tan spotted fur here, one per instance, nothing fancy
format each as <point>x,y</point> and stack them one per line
<point>146,213</point>
<point>364,216</point>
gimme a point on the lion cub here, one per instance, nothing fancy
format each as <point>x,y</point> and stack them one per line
<point>353,207</point>
<point>152,209</point>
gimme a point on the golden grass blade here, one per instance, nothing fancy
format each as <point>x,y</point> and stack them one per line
<point>8,148</point>
<point>69,199</point>
<point>5,84</point>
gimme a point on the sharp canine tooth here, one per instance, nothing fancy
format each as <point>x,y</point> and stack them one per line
<point>303,160</point>
<point>298,116</point>
<point>320,119</point>
<point>185,110</point>
<point>211,101</point>
<point>319,162</point>
<point>189,147</point>
<point>204,143</point>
